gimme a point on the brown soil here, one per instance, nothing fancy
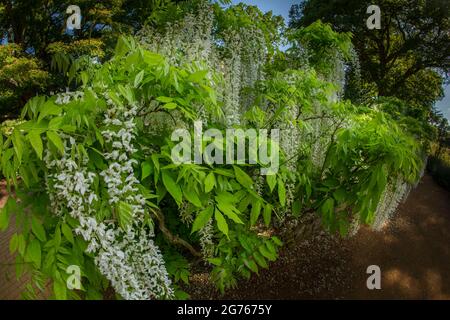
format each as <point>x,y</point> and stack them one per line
<point>413,253</point>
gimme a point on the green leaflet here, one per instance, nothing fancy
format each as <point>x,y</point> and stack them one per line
<point>18,144</point>
<point>243,178</point>
<point>147,169</point>
<point>60,290</point>
<point>34,137</point>
<point>164,99</point>
<point>255,212</point>
<point>197,76</point>
<point>202,219</point>
<point>192,197</point>
<point>33,253</point>
<point>210,182</point>
<point>281,192</point>
<point>38,230</point>
<point>170,106</point>
<point>48,109</point>
<point>221,223</point>
<point>171,186</point>
<point>124,214</point>
<point>4,218</point>
<point>260,260</point>
<point>13,244</point>
<point>271,181</point>
<point>67,232</point>
<point>251,265</point>
<point>56,140</point>
<point>270,255</point>
<point>225,206</point>
<point>138,78</point>
<point>267,214</point>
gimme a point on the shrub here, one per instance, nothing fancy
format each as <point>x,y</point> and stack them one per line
<point>99,189</point>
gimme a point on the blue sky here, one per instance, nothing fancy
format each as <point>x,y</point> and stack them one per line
<point>281,7</point>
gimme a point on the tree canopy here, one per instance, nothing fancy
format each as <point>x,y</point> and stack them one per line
<point>411,48</point>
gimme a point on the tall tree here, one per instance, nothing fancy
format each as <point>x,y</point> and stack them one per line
<point>34,31</point>
<point>406,58</point>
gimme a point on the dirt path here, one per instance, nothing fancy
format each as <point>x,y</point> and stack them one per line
<point>413,254</point>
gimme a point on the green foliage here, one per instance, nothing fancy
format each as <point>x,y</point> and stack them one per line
<point>233,204</point>
<point>412,44</point>
<point>242,254</point>
<point>245,16</point>
<point>35,43</point>
<point>323,45</point>
<point>21,77</point>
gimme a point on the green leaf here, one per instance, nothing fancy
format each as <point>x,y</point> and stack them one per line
<point>4,219</point>
<point>164,99</point>
<point>277,241</point>
<point>243,178</point>
<point>34,252</point>
<point>296,208</point>
<point>215,261</point>
<point>170,106</point>
<point>146,169</point>
<point>266,253</point>
<point>153,59</point>
<point>18,144</point>
<point>35,139</point>
<point>224,172</point>
<point>126,92</point>
<point>56,140</point>
<point>328,206</point>
<point>57,238</point>
<point>260,260</point>
<point>210,182</point>
<point>340,194</point>
<point>172,187</point>
<point>13,243</point>
<point>251,265</point>
<point>221,223</point>
<point>267,214</point>
<point>67,232</point>
<point>49,108</point>
<point>192,197</point>
<point>138,79</point>
<point>38,230</point>
<point>271,181</point>
<point>21,244</point>
<point>255,212</point>
<point>124,214</point>
<point>227,208</point>
<point>181,295</point>
<point>197,76</point>
<point>202,219</point>
<point>281,192</point>
<point>84,78</point>
<point>60,290</point>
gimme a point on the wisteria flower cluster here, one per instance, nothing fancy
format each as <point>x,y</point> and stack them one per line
<point>129,259</point>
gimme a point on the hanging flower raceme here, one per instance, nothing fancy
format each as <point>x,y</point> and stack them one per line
<point>128,258</point>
